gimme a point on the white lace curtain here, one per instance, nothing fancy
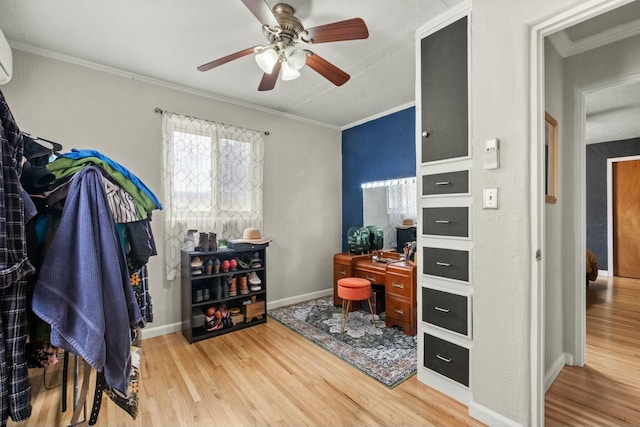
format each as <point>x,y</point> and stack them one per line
<point>213,181</point>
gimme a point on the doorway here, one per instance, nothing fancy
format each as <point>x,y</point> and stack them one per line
<point>573,263</point>
<point>623,202</point>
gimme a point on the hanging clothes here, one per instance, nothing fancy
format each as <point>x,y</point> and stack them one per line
<point>83,290</point>
<point>15,389</point>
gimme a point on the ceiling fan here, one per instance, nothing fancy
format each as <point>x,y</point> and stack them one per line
<point>288,40</point>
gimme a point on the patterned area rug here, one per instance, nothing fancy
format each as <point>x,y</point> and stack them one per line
<point>386,354</point>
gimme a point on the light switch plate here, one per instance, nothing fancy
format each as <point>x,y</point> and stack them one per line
<point>490,198</point>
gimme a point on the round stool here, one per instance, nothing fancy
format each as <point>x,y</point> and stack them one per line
<point>353,289</point>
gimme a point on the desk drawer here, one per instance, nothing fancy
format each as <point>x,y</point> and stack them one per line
<point>446,358</point>
<point>397,284</point>
<point>340,271</point>
<point>448,221</point>
<point>370,276</point>
<point>447,310</point>
<point>398,308</point>
<point>445,183</point>
<point>450,263</point>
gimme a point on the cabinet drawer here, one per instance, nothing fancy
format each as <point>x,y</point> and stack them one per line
<point>445,183</point>
<point>450,263</point>
<point>398,308</point>
<point>370,276</point>
<point>446,358</point>
<point>340,271</point>
<point>448,221</point>
<point>397,284</point>
<point>447,310</point>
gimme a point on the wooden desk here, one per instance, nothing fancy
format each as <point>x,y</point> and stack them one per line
<point>398,278</point>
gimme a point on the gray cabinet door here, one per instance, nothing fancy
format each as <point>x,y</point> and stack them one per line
<point>444,93</point>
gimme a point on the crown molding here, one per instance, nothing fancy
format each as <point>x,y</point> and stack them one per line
<point>566,47</point>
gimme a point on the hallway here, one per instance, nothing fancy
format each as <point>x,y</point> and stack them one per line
<point>606,391</point>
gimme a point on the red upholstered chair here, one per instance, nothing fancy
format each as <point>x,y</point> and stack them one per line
<point>353,289</point>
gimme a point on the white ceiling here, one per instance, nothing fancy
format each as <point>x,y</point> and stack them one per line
<point>165,40</point>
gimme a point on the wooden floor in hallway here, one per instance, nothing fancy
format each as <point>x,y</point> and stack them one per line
<point>606,391</point>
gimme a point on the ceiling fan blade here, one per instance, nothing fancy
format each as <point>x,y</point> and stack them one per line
<point>350,29</point>
<point>224,60</point>
<point>329,71</point>
<point>268,81</point>
<point>262,11</point>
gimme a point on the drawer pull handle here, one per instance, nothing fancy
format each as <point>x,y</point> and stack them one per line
<point>444,310</point>
<point>398,310</point>
<point>397,285</point>
<point>444,359</point>
<point>343,272</point>
<point>442,221</point>
<point>443,264</point>
<point>371,279</point>
<point>443,183</point>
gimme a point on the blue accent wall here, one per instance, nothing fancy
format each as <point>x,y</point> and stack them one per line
<point>381,149</point>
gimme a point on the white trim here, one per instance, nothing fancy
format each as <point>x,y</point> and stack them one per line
<point>379,115</point>
<point>554,370</point>
<point>567,48</point>
<point>557,22</point>
<point>489,417</point>
<point>298,298</point>
<point>610,162</point>
<point>158,331</point>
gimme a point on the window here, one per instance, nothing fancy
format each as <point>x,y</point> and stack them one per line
<point>213,181</point>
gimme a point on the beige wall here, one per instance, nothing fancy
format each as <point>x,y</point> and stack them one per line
<point>82,107</point>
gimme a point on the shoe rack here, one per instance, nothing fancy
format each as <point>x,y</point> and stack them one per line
<point>223,290</point>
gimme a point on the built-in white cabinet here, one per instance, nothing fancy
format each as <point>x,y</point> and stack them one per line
<point>444,229</point>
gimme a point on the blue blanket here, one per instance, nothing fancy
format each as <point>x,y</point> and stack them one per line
<point>83,290</point>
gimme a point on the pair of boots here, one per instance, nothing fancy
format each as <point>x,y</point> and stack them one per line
<point>233,287</point>
<point>207,242</point>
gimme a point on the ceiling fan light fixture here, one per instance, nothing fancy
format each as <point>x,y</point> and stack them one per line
<point>295,57</point>
<point>267,59</point>
<point>289,73</point>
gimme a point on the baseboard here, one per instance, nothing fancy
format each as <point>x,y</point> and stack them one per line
<point>298,298</point>
<point>489,417</point>
<point>604,273</point>
<point>157,331</point>
<point>553,372</point>
<point>170,328</point>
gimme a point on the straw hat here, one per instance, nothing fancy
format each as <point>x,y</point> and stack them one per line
<point>407,223</point>
<point>251,235</point>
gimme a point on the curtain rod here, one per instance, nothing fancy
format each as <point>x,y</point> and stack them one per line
<point>161,111</point>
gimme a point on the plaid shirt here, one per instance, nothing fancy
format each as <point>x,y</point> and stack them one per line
<point>15,389</point>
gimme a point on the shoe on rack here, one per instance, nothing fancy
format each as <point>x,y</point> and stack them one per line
<point>208,266</point>
<point>216,266</point>
<point>196,262</point>
<point>203,243</point>
<point>233,264</point>
<point>255,261</point>
<point>233,290</point>
<point>211,323</point>
<point>254,279</point>
<point>243,265</point>
<point>225,265</point>
<point>243,285</point>
<point>213,242</point>
<point>190,240</point>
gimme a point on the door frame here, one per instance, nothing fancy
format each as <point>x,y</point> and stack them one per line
<point>610,162</point>
<point>556,22</point>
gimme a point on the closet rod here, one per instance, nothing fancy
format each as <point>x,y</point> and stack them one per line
<point>161,111</point>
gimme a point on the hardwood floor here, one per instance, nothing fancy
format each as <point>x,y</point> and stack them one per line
<point>269,375</point>
<point>265,375</point>
<point>606,391</point>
